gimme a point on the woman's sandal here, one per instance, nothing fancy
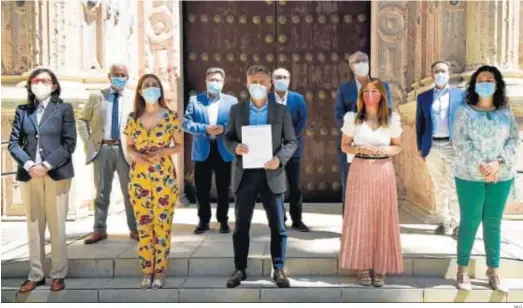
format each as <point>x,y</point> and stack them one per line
<point>495,282</point>
<point>159,282</point>
<point>364,278</point>
<point>379,280</point>
<point>146,281</point>
<point>463,281</point>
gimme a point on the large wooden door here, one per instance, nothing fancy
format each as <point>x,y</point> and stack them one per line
<point>312,39</point>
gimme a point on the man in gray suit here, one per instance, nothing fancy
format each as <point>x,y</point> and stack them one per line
<point>268,182</point>
<point>101,127</point>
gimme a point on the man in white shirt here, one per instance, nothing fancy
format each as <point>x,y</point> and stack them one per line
<point>435,114</point>
<point>206,117</point>
<point>101,126</point>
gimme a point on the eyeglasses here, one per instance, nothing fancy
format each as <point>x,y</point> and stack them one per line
<point>41,80</point>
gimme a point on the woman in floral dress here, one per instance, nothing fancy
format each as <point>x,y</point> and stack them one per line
<point>154,133</point>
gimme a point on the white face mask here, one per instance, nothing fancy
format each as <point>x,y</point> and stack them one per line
<point>361,69</point>
<point>41,91</point>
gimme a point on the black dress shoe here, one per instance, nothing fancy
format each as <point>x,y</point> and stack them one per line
<point>224,228</point>
<point>300,226</point>
<point>201,228</point>
<point>236,279</point>
<point>281,279</point>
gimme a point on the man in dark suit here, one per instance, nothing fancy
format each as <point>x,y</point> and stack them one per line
<point>268,182</point>
<point>346,99</point>
<point>436,109</point>
<point>298,109</point>
<point>205,118</point>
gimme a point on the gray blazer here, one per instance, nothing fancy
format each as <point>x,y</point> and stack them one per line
<point>283,142</point>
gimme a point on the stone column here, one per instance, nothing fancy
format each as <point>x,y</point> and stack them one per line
<point>493,38</point>
<point>493,34</point>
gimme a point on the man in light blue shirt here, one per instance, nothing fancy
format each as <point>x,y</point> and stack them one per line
<point>434,130</point>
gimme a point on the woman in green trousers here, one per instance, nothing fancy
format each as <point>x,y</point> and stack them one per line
<point>486,138</point>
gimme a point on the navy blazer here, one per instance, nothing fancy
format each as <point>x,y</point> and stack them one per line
<point>196,120</point>
<point>346,99</point>
<point>57,135</point>
<point>425,117</point>
<point>298,109</point>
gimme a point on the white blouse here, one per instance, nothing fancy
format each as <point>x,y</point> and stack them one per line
<point>363,134</point>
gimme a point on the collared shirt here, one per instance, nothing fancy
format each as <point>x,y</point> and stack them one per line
<point>281,100</point>
<point>108,122</point>
<point>212,110</point>
<point>258,116</point>
<point>440,109</point>
<point>38,158</point>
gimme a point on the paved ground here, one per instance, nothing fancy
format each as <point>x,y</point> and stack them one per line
<point>324,219</point>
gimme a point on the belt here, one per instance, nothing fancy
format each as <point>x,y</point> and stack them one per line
<point>370,157</point>
<point>111,142</point>
<point>441,138</point>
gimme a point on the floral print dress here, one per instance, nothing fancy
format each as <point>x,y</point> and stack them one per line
<point>153,191</point>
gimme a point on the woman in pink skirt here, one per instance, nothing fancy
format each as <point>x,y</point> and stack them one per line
<point>370,239</point>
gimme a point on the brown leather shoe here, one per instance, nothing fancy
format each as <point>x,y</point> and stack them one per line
<point>95,237</point>
<point>29,285</point>
<point>134,235</point>
<point>57,284</point>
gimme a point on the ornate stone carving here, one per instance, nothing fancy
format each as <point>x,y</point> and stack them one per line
<point>391,21</point>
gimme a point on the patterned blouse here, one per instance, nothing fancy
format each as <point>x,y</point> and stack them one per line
<point>482,137</point>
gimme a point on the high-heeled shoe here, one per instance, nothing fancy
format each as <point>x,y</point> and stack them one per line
<point>463,281</point>
<point>146,282</point>
<point>495,282</point>
<point>158,282</point>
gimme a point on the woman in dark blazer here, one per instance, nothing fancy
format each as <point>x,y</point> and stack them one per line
<point>42,141</point>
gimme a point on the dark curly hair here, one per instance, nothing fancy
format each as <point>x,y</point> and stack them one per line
<point>31,99</point>
<point>500,97</point>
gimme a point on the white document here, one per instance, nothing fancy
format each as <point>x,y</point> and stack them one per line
<point>258,138</point>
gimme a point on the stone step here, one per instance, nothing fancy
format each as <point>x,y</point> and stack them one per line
<point>414,265</point>
<point>262,289</point>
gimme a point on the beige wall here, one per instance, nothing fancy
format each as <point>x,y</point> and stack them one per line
<point>80,42</point>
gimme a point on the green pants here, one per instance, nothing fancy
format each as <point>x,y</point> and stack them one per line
<point>481,202</point>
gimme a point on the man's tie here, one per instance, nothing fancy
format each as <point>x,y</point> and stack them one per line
<point>115,130</point>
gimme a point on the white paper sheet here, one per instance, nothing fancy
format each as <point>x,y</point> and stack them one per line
<point>258,138</point>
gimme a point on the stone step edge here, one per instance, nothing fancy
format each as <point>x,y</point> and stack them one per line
<point>444,292</point>
<point>268,257</point>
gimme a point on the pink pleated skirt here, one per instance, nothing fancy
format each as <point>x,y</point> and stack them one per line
<point>370,237</point>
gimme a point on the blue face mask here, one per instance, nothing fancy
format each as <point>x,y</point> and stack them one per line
<point>485,89</point>
<point>257,91</point>
<point>441,79</point>
<point>151,95</point>
<point>281,85</point>
<point>118,82</point>
<point>214,87</point>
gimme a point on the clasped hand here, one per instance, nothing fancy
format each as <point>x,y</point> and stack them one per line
<point>150,157</point>
<point>371,150</point>
<point>214,130</point>
<point>38,171</point>
<point>489,171</point>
